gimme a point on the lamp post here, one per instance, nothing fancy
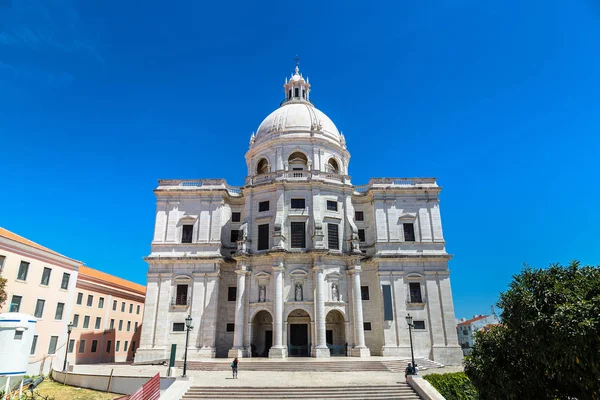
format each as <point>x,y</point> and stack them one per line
<point>409,321</point>
<point>189,327</point>
<point>69,330</point>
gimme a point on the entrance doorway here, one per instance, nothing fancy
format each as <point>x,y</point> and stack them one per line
<point>298,334</point>
<point>335,333</point>
<point>262,334</point>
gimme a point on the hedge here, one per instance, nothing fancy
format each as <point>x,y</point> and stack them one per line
<point>453,386</point>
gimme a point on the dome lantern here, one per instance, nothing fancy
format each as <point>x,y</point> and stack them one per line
<point>297,88</point>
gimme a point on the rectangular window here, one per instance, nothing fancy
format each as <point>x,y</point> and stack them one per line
<point>263,206</point>
<point>108,344</point>
<point>388,311</point>
<point>81,346</point>
<point>112,324</point>
<point>71,345</point>
<point>118,346</point>
<point>33,345</point>
<point>123,307</point>
<point>137,309</point>
<point>128,326</point>
<point>359,216</point>
<point>46,276</point>
<point>101,302</point>
<point>39,308</point>
<point>90,300</point>
<point>79,298</point>
<point>131,308</point>
<point>86,322</point>
<point>98,323</point>
<point>18,335</point>
<point>64,284</point>
<point>409,232</point>
<point>114,305</point>
<point>2,258</point>
<point>231,293</point>
<point>182,295</point>
<point>178,327</point>
<point>415,292</point>
<point>120,324</point>
<point>133,345</point>
<point>75,320</point>
<point>60,307</point>
<point>52,345</point>
<point>419,324</point>
<point>15,303</point>
<point>298,203</point>
<point>263,237</point>
<point>135,327</point>
<point>298,235</point>
<point>186,233</point>
<point>23,269</point>
<point>364,293</point>
<point>126,345</point>
<point>367,326</point>
<point>332,205</point>
<point>234,235</point>
<point>332,236</point>
<point>361,235</point>
<point>94,346</point>
<point>236,217</point>
<point>230,327</point>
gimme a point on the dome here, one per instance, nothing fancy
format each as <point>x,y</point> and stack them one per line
<point>297,118</point>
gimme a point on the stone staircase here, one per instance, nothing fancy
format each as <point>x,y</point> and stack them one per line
<point>380,392</point>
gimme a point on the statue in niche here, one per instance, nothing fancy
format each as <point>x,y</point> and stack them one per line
<point>335,293</point>
<point>262,293</point>
<point>298,292</point>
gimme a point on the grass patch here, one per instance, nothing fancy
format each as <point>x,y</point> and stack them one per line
<point>60,392</point>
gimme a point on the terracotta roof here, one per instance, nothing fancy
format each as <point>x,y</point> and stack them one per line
<point>468,322</point>
<point>103,276</point>
<point>20,239</point>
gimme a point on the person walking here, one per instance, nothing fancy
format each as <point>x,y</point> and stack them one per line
<point>234,368</point>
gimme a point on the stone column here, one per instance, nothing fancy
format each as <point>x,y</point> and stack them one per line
<point>359,350</point>
<point>208,323</point>
<point>238,349</point>
<point>320,350</point>
<point>277,350</point>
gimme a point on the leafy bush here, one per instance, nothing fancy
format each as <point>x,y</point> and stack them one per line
<point>453,386</point>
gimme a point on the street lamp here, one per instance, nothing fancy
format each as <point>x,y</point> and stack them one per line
<point>69,330</point>
<point>189,327</point>
<point>409,321</point>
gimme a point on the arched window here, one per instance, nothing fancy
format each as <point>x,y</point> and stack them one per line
<point>332,166</point>
<point>262,167</point>
<point>298,162</point>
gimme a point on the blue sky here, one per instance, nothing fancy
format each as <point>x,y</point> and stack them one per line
<point>498,100</point>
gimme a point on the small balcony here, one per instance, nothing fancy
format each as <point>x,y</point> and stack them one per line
<point>182,301</point>
<point>416,300</point>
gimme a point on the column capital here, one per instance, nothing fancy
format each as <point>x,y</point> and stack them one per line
<point>356,269</point>
<point>242,271</point>
<point>278,265</point>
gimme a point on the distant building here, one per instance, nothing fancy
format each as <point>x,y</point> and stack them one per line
<point>107,317</point>
<point>466,329</point>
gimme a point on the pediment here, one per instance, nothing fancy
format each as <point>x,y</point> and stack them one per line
<point>262,274</point>
<point>334,276</point>
<point>414,275</point>
<point>408,216</point>
<point>299,273</point>
<point>187,219</point>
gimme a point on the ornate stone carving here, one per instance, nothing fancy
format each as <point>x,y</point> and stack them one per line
<point>298,296</point>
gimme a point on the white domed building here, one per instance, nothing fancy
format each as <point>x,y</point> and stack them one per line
<point>298,261</point>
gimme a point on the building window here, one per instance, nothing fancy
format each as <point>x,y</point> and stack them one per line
<point>101,302</point>
<point>75,320</point>
<point>123,307</point>
<point>415,292</point>
<point>409,232</point>
<point>114,305</point>
<point>33,345</point>
<point>231,293</point>
<point>15,303</point>
<point>86,322</point>
<point>120,324</point>
<point>233,238</point>
<point>263,206</point>
<point>126,345</point>
<point>236,217</point>
<point>18,335</point>
<point>64,284</point>
<point>46,276</point>
<point>128,326</point>
<point>112,324</point>
<point>81,346</point>
<point>90,300</point>
<point>2,258</point>
<point>79,298</point>
<point>94,346</point>
<point>52,345</point>
<point>298,235</point>
<point>178,327</point>
<point>332,236</point>
<point>186,233</point>
<point>108,344</point>
<point>98,323</point>
<point>364,293</point>
<point>71,345</point>
<point>182,295</point>
<point>366,326</point>
<point>332,205</point>
<point>135,328</point>
<point>419,324</point>
<point>230,327</point>
<point>39,308</point>
<point>361,235</point>
<point>118,346</point>
<point>132,345</point>
<point>23,269</point>
<point>298,203</point>
<point>131,308</point>
<point>263,237</point>
<point>359,216</point>
<point>60,307</point>
<point>137,309</point>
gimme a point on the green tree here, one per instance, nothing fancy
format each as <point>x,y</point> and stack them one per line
<point>548,346</point>
<point>2,291</point>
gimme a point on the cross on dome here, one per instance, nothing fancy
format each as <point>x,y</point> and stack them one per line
<point>297,89</point>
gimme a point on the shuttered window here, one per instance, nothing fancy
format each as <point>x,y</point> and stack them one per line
<point>186,233</point>
<point>298,235</point>
<point>332,236</point>
<point>263,237</point>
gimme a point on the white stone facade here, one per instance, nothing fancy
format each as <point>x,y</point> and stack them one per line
<point>259,268</point>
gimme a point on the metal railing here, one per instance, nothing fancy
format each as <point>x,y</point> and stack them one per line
<point>298,351</point>
<point>416,300</point>
<point>337,349</point>
<point>180,300</point>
